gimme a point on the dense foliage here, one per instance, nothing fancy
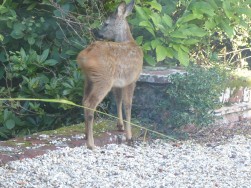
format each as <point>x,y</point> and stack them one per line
<point>39,43</point>
<point>171,30</point>
<point>193,97</point>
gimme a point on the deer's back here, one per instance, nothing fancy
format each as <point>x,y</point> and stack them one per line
<point>120,62</point>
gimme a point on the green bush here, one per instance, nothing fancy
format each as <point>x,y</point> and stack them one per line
<point>193,97</point>
<point>172,31</point>
<point>39,43</point>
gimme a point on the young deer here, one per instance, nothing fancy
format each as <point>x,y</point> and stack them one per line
<point>111,65</point>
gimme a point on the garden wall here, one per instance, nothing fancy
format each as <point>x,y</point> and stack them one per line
<point>150,92</point>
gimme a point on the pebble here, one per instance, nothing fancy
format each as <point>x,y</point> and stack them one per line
<point>157,164</point>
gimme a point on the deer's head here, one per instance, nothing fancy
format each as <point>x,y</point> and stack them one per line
<point>115,27</point>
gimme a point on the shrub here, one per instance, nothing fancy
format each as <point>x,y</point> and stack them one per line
<point>39,42</point>
<point>193,97</point>
<point>172,31</point>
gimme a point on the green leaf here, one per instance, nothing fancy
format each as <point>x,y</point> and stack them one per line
<point>32,6</point>
<point>95,24</point>
<point>246,11</point>
<point>3,132</point>
<point>150,60</point>
<point>66,7</point>
<point>210,24</point>
<point>71,52</point>
<point>25,79</point>
<point>167,20</point>
<point>155,43</point>
<point>178,34</point>
<point>160,53</point>
<point>175,47</point>
<point>1,73</point>
<point>43,78</point>
<point>31,40</point>
<point>6,115</point>
<point>1,38</point>
<point>184,48</point>
<point>51,62</point>
<point>156,19</point>
<point>27,1</point>
<point>17,31</point>
<point>155,5</point>
<point>44,55</point>
<point>196,31</point>
<point>189,17</point>
<point>213,4</point>
<point>60,14</point>
<point>16,34</point>
<point>227,9</point>
<point>227,28</point>
<point>141,12</point>
<point>139,40</point>
<point>32,121</point>
<point>147,46</point>
<point>202,8</point>
<point>9,124</point>
<point>66,92</point>
<point>191,41</point>
<point>34,106</point>
<point>42,19</point>
<point>3,9</point>
<point>183,57</point>
<point>60,35</point>
<point>169,52</point>
<point>148,26</point>
<point>151,31</point>
<point>65,84</point>
<point>19,27</point>
<point>23,54</point>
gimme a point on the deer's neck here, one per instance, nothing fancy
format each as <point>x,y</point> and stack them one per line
<point>124,35</point>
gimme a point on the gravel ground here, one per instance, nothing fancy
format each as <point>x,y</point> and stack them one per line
<point>157,164</point>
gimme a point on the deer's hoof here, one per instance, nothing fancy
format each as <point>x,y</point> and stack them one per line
<point>130,142</point>
<point>120,127</point>
<point>91,147</point>
<point>85,138</point>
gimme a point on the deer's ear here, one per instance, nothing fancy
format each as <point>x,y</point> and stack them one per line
<point>121,9</point>
<point>129,8</point>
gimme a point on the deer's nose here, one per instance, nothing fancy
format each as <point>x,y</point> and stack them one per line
<point>97,34</point>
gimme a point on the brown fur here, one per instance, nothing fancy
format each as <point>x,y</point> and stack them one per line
<point>111,65</point>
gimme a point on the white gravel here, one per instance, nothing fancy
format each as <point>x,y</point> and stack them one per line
<point>158,164</point>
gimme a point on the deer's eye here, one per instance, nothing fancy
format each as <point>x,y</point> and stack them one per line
<point>106,23</point>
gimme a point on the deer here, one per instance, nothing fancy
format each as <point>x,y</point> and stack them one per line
<point>113,64</point>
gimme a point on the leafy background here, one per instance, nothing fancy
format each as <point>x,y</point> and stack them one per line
<point>174,30</point>
<point>40,41</point>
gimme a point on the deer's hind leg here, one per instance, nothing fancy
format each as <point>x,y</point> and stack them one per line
<point>87,90</point>
<point>93,96</point>
<point>127,101</point>
<point>118,94</point>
